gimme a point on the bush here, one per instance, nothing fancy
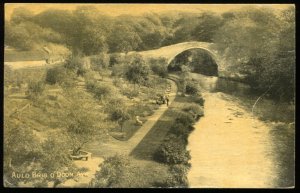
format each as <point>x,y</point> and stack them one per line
<point>112,171</point>
<point>130,93</point>
<point>198,100</point>
<point>177,176</point>
<point>77,64</point>
<point>159,67</point>
<point>115,59</point>
<point>172,151</point>
<point>185,118</point>
<point>60,75</point>
<point>195,110</point>
<point>191,88</point>
<point>35,89</point>
<point>137,70</point>
<point>141,110</point>
<point>100,61</point>
<point>181,130</point>
<point>100,90</point>
<point>55,75</point>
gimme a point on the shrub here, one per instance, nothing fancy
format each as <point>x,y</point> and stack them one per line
<point>35,89</point>
<point>177,176</point>
<point>191,88</point>
<point>56,75</point>
<point>112,171</point>
<point>159,67</point>
<point>130,93</point>
<point>172,151</point>
<point>77,64</point>
<point>185,118</point>
<point>195,110</point>
<point>137,69</point>
<point>142,110</point>
<point>100,90</point>
<point>181,130</point>
<point>115,58</point>
<point>198,99</point>
<point>100,61</point>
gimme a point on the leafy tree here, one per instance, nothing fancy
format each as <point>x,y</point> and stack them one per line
<point>124,39</point>
<point>80,126</point>
<point>113,169</point>
<point>100,63</point>
<point>121,115</point>
<point>208,24</point>
<point>184,75</point>
<point>18,36</point>
<point>159,67</point>
<point>250,39</point>
<point>21,147</point>
<point>21,14</point>
<point>137,70</point>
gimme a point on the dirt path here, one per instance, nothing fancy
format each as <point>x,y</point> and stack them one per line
<point>230,148</point>
<point>114,146</point>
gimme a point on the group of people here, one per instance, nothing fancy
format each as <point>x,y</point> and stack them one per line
<point>164,99</point>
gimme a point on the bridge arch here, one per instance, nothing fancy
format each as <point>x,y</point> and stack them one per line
<point>208,51</point>
<point>203,61</point>
<point>171,51</point>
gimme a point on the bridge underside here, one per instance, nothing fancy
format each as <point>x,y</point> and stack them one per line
<point>198,60</point>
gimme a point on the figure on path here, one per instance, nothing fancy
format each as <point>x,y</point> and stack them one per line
<point>138,121</point>
<point>167,99</point>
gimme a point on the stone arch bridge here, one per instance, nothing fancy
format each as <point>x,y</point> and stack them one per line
<point>171,51</point>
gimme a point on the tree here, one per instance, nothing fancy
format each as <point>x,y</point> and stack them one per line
<point>137,70</point>
<point>21,14</point>
<point>21,147</point>
<point>79,125</point>
<point>159,67</point>
<point>18,36</point>
<point>121,115</point>
<point>185,70</point>
<point>123,39</point>
<point>251,40</point>
<point>113,169</point>
<point>100,63</point>
<point>208,24</point>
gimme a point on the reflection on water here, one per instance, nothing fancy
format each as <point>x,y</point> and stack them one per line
<point>231,148</point>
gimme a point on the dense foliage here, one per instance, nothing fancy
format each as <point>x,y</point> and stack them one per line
<point>258,42</point>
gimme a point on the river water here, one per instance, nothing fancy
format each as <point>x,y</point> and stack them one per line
<point>230,148</point>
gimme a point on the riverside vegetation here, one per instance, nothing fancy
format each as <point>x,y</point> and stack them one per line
<point>95,94</point>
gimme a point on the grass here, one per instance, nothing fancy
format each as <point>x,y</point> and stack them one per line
<point>129,129</point>
<point>14,55</point>
<point>148,174</point>
<point>284,153</point>
<point>151,142</point>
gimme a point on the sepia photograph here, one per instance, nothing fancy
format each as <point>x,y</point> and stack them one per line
<point>107,95</point>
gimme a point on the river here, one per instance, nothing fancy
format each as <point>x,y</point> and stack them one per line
<point>231,148</point>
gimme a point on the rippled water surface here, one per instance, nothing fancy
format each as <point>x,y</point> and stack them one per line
<point>232,149</point>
